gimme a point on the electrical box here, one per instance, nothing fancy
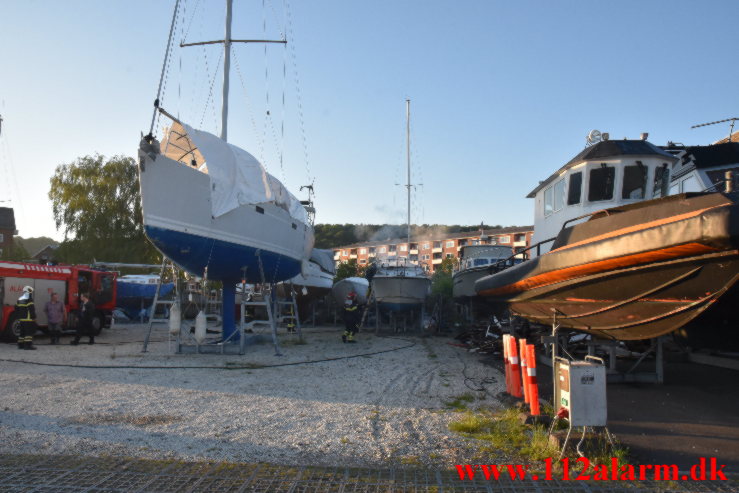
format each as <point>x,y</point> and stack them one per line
<point>581,389</point>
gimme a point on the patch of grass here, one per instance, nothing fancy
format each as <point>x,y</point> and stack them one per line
<point>344,440</point>
<point>506,432</point>
<point>460,402</point>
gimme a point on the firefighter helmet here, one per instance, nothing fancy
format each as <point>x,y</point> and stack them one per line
<point>28,289</point>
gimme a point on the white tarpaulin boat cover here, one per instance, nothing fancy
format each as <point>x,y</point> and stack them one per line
<point>237,178</point>
<point>325,259</point>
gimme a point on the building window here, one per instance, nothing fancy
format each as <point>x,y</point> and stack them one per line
<point>426,246</point>
<point>449,255</point>
<point>437,256</point>
<point>475,242</point>
<point>437,244</point>
<point>403,248</point>
<point>504,239</point>
<point>661,181</point>
<point>363,251</point>
<point>635,182</point>
<point>450,244</point>
<point>2,238</point>
<point>601,183</point>
<point>519,237</point>
<point>462,242</point>
<point>362,261</point>
<point>372,250</point>
<point>1,252</point>
<point>343,252</point>
<point>392,248</point>
<point>575,190</point>
<point>383,249</point>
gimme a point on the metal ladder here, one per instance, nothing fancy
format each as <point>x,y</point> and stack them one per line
<point>166,263</point>
<point>292,318</point>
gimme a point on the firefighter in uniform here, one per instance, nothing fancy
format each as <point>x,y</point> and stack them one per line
<point>25,313</point>
<point>352,316</point>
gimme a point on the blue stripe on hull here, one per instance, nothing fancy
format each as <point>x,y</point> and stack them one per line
<point>224,260</point>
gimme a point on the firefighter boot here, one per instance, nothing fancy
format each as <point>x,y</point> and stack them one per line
<point>343,336</point>
<point>75,341</point>
<point>21,343</point>
<point>350,338</point>
<point>91,341</point>
<point>29,345</point>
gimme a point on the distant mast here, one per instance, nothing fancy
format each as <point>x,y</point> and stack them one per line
<point>408,155</point>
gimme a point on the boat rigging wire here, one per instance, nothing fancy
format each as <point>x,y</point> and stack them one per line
<point>167,52</point>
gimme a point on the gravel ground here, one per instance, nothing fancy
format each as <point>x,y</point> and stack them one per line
<point>363,410</point>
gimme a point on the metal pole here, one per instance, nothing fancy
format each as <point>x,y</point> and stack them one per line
<point>226,70</point>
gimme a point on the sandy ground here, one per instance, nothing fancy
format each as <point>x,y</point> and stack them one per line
<point>364,410</point>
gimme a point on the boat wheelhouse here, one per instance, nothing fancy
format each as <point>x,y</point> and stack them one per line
<point>606,174</point>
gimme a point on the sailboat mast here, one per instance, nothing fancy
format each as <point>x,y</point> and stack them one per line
<point>408,156</point>
<point>226,70</point>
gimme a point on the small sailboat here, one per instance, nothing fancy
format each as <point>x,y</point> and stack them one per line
<point>399,284</point>
<point>213,209</point>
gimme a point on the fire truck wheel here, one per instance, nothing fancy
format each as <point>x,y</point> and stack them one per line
<point>13,329</point>
<point>97,324</point>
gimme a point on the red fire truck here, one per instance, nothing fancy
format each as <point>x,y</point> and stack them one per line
<point>69,281</point>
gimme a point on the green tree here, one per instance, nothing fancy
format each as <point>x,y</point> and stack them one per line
<point>441,281</point>
<point>97,204</point>
<point>15,253</point>
<point>349,269</point>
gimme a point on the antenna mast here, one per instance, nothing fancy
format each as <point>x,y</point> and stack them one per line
<point>731,127</point>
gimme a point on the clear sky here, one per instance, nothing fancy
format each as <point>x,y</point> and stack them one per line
<point>503,92</point>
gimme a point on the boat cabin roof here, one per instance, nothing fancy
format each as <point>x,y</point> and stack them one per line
<point>606,149</point>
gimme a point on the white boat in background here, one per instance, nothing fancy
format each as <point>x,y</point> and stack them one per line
<point>476,262</point>
<point>400,285</point>
<point>213,209</point>
<point>359,285</point>
<point>312,285</point>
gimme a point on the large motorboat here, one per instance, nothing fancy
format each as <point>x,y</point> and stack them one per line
<point>213,209</point>
<point>643,265</point>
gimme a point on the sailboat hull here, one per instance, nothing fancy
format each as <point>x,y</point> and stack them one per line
<point>241,244</point>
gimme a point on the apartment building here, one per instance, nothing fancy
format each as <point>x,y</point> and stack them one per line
<point>430,251</point>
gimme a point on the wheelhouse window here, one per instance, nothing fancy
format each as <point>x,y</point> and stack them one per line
<point>635,182</point>
<point>601,183</point>
<point>661,183</point>
<point>481,261</point>
<point>575,190</point>
<point>554,197</point>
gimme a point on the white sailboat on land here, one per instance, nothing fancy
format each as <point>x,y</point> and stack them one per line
<point>399,284</point>
<point>213,209</point>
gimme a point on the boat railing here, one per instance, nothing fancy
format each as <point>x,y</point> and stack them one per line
<point>500,264</point>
